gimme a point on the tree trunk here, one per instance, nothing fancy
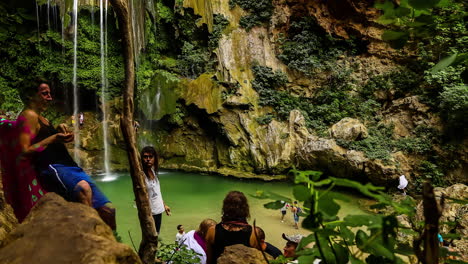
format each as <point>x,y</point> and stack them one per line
<point>149,237</point>
<point>432,212</point>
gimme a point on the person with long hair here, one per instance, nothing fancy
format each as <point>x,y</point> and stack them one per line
<point>150,162</point>
<point>196,239</point>
<point>57,171</point>
<point>233,228</point>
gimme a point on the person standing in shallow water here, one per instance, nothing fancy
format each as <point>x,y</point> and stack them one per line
<point>57,171</point>
<point>149,158</point>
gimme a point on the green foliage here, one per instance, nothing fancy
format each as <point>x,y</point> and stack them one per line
<point>27,55</point>
<point>332,102</point>
<point>265,120</point>
<point>399,83</point>
<point>193,61</point>
<point>260,12</point>
<point>355,238</point>
<point>454,104</point>
<point>429,172</point>
<point>220,22</point>
<point>10,100</point>
<point>173,253</point>
<point>380,143</point>
<point>177,118</point>
<point>309,49</point>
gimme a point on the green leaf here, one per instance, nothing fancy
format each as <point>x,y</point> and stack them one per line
<point>371,221</point>
<point>404,249</point>
<point>306,259</point>
<point>328,207</point>
<point>347,234</point>
<point>355,260</point>
<point>301,192</point>
<point>458,201</point>
<point>306,241</point>
<point>444,63</point>
<point>322,183</point>
<point>423,4</point>
<point>342,254</point>
<point>402,11</point>
<point>393,35</point>
<point>386,6</point>
<point>274,205</point>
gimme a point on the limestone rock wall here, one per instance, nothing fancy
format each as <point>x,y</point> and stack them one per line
<point>221,135</point>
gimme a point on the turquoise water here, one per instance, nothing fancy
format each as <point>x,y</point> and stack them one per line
<point>194,197</point>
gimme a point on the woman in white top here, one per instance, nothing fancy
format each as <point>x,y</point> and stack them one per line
<point>149,158</point>
<point>196,239</point>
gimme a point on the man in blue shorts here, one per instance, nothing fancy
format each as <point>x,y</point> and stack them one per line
<point>58,172</point>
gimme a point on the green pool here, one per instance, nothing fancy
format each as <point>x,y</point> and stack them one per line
<point>193,197</point>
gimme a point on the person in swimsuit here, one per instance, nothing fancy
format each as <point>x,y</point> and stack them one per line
<point>57,171</point>
<point>233,228</point>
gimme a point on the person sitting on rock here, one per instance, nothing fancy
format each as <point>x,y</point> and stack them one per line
<point>57,171</point>
<point>266,247</point>
<point>196,241</point>
<point>289,250</point>
<point>233,228</point>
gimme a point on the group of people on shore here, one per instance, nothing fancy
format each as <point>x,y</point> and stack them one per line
<point>35,161</point>
<point>295,210</point>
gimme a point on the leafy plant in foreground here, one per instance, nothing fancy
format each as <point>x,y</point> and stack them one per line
<point>176,254</point>
<point>353,239</point>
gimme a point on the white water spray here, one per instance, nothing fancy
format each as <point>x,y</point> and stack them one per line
<point>104,84</point>
<point>75,85</point>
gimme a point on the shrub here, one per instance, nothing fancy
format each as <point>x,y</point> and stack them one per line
<point>260,12</point>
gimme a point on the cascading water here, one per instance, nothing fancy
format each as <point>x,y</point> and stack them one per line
<point>104,85</point>
<point>37,19</point>
<point>75,85</point>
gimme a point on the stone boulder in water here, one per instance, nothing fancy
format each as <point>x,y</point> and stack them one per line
<point>56,231</point>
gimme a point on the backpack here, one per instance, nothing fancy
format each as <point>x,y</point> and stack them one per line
<point>299,210</point>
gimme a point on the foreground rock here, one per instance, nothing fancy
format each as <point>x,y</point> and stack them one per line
<point>240,254</point>
<point>7,219</point>
<point>57,231</point>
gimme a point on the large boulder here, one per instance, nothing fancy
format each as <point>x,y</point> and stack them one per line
<point>349,129</point>
<point>240,254</point>
<point>57,231</point>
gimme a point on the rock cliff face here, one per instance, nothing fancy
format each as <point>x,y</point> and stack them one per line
<point>220,133</point>
<point>215,126</point>
<point>57,231</point>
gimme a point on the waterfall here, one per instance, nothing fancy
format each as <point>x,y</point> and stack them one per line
<point>104,86</point>
<point>75,86</point>
<point>37,19</point>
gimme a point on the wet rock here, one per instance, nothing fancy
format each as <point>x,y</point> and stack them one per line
<point>57,231</point>
<point>349,129</point>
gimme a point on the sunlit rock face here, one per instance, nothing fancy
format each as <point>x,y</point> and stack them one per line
<point>57,231</point>
<point>220,133</point>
